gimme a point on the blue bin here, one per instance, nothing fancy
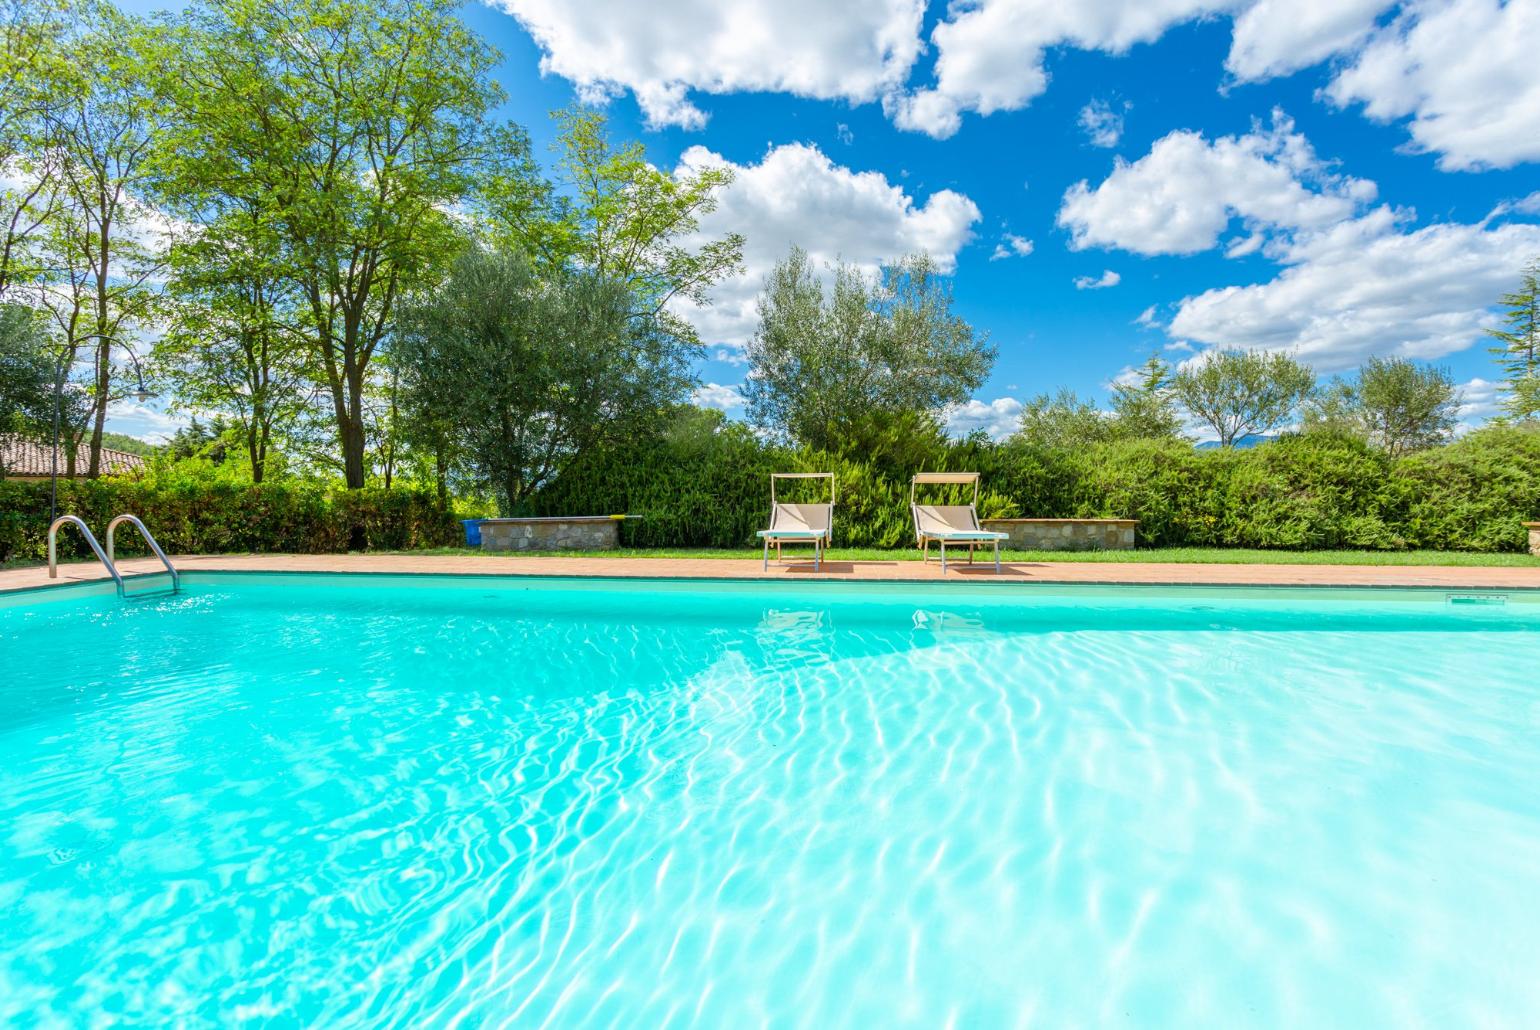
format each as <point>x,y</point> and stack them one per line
<point>472,532</point>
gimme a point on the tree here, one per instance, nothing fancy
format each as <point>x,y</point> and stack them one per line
<point>31,77</point>
<point>1519,353</point>
<point>29,395</point>
<point>530,372</point>
<point>103,240</point>
<point>236,341</point>
<point>1145,409</point>
<point>359,127</point>
<point>26,371</point>
<point>1142,409</point>
<point>1243,393</point>
<point>1063,421</point>
<point>613,213</point>
<point>820,361</point>
<point>1394,404</point>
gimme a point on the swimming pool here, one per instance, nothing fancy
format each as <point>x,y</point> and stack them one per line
<point>377,800</point>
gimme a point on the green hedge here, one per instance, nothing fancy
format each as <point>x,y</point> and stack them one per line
<point>1300,492</point>
<point>193,518</point>
<point>712,490</point>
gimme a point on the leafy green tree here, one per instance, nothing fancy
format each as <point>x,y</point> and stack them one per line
<point>236,342</point>
<point>359,127</point>
<point>1394,404</point>
<point>1243,393</point>
<point>1063,421</point>
<point>1519,352</point>
<point>103,242</point>
<point>31,80</point>
<point>613,213</point>
<point>1146,408</point>
<point>821,361</point>
<point>529,372</point>
<point>26,371</point>
<point>29,395</point>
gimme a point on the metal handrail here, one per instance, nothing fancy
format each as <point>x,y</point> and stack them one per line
<point>112,528</point>
<point>106,559</point>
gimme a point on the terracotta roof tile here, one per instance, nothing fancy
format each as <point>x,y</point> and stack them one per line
<point>19,457</point>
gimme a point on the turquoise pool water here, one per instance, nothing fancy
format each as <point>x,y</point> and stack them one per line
<point>428,802</point>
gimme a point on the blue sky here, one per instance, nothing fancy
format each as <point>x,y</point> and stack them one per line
<point>1337,179</point>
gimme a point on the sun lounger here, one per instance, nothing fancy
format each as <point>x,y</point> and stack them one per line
<point>799,523</point>
<point>955,524</point>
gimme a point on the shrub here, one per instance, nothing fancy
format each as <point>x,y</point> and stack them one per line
<point>706,484</point>
<point>1303,491</point>
<point>188,517</point>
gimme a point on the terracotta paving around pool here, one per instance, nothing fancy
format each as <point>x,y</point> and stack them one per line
<point>734,568</point>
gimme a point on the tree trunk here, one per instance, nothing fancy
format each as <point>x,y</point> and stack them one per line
<point>99,419</point>
<point>255,451</point>
<point>351,429</point>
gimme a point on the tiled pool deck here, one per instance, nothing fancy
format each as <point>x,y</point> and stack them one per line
<point>732,568</point>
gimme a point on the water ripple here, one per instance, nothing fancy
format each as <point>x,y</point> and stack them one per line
<point>408,807</point>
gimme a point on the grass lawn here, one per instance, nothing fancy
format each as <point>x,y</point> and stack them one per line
<point>1188,555</point>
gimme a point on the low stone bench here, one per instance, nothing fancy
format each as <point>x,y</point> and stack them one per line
<point>1066,534</point>
<point>1534,537</point>
<point>577,533</point>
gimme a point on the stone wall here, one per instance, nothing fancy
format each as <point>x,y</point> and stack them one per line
<point>1066,534</point>
<point>590,533</point>
<point>1534,537</point>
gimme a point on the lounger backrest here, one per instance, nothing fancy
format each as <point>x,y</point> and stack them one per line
<point>815,517</point>
<point>944,519</point>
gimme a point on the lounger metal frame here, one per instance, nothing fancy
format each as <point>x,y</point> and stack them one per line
<point>819,542</point>
<point>922,539</point>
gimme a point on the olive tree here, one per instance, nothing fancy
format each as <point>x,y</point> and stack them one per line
<point>1394,403</point>
<point>1243,393</point>
<point>528,372</point>
<point>825,360</point>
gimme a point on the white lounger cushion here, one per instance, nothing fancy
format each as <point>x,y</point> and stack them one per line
<point>951,522</point>
<point>800,520</point>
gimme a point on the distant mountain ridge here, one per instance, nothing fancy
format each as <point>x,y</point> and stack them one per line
<point>1245,441</point>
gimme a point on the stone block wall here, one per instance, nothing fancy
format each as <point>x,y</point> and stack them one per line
<point>1534,537</point>
<point>1066,534</point>
<point>554,534</point>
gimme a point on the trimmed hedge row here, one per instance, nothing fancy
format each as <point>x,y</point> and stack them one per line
<point>712,490</point>
<point>191,518</point>
<point>1300,492</point>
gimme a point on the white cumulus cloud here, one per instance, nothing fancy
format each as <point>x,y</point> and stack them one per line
<point>716,395</point>
<point>1466,71</point>
<point>1276,37</point>
<point>999,417</point>
<point>1091,282</point>
<point>1011,245</point>
<point>1181,196</point>
<point>797,196</point>
<point>989,53</point>
<point>1463,71</point>
<point>662,52</point>
<point>1367,287</point>
<point>1102,123</point>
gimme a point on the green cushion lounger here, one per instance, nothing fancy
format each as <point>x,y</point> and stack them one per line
<point>954,524</point>
<point>799,523</point>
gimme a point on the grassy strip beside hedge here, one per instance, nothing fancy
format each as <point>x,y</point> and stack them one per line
<point>1173,555</point>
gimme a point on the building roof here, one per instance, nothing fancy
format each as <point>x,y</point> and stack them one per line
<point>28,459</point>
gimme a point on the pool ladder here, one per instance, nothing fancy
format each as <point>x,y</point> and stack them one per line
<point>105,557</point>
